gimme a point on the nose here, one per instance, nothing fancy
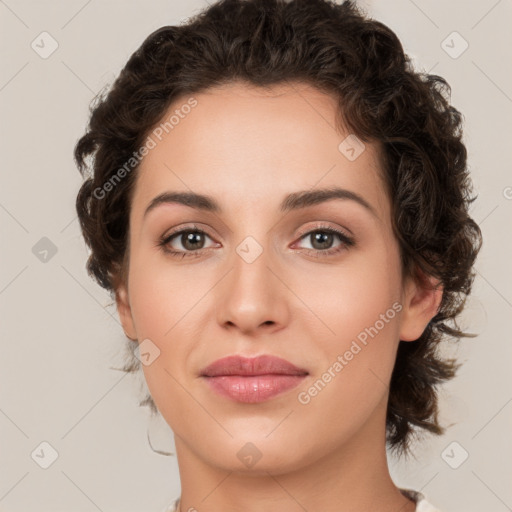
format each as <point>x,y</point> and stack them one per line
<point>253,296</point>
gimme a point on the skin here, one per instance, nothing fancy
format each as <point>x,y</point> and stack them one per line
<point>247,148</point>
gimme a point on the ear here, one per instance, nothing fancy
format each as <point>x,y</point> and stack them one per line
<point>125,312</point>
<point>422,298</point>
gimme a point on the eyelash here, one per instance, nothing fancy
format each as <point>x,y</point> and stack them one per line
<point>344,238</point>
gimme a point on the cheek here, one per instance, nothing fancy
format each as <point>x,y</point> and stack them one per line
<point>168,307</point>
<point>352,377</point>
<point>361,307</point>
<point>162,295</point>
<point>351,298</point>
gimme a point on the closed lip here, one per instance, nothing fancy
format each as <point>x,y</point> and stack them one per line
<point>247,366</point>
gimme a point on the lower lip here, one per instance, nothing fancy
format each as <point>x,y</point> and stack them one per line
<point>253,388</point>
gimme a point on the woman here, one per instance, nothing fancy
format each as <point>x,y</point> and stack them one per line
<point>278,204</point>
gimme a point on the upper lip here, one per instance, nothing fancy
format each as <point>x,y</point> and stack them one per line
<point>261,365</point>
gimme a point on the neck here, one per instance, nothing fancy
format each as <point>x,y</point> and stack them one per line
<point>354,477</point>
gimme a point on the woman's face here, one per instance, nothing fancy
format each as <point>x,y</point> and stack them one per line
<point>266,274</point>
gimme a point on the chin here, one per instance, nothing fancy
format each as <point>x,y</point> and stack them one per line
<point>256,454</point>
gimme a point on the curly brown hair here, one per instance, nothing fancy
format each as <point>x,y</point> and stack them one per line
<point>380,98</point>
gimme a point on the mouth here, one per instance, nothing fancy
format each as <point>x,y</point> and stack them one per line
<point>252,380</point>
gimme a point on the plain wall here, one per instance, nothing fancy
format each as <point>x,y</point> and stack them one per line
<point>60,335</point>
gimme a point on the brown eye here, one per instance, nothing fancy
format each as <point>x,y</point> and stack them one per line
<point>185,242</point>
<point>322,239</point>
<point>192,240</point>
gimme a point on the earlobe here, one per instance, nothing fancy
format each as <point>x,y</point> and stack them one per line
<point>421,303</point>
<point>125,312</point>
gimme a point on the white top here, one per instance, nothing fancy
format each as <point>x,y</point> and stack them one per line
<point>422,505</point>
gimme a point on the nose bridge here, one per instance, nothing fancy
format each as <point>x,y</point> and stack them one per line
<point>251,261</point>
<point>252,296</point>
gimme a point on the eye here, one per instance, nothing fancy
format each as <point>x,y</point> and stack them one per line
<point>191,240</point>
<point>322,238</point>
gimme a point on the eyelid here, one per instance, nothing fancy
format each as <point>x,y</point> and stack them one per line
<point>304,231</point>
<point>322,225</point>
<point>192,226</point>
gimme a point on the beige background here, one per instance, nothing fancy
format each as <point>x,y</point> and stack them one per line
<point>60,335</point>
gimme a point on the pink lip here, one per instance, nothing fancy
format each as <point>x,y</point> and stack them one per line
<point>252,380</point>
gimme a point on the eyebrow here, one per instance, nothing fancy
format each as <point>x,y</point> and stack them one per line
<point>293,201</point>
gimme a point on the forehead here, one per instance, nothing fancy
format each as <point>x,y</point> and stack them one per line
<point>245,142</point>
